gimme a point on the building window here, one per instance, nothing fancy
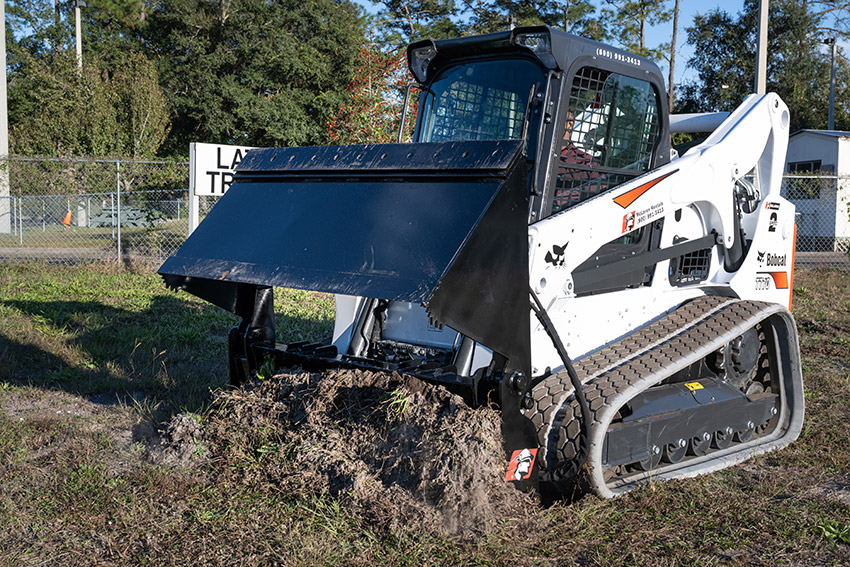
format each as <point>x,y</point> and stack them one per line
<point>812,166</point>
<point>806,179</point>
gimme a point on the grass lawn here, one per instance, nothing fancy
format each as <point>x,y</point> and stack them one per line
<point>95,362</point>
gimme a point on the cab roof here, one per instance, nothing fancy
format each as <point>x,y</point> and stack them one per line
<point>553,48</point>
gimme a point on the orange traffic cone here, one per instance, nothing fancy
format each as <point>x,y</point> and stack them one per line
<point>66,222</point>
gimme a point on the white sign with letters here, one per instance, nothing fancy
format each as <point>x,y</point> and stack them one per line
<point>212,166</point>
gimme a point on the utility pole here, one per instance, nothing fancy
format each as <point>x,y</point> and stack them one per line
<point>761,58</point>
<point>5,196</point>
<point>77,5</point>
<point>830,125</point>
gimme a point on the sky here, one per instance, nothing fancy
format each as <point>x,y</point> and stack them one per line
<point>687,10</point>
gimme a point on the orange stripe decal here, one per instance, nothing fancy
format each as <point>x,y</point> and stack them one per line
<point>780,279</point>
<point>632,195</point>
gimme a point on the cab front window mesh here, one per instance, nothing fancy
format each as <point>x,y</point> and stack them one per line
<point>479,101</point>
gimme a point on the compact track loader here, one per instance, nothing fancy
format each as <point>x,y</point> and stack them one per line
<point>540,246</point>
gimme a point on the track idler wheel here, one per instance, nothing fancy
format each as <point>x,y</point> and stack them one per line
<point>723,439</point>
<point>745,434</point>
<point>651,463</point>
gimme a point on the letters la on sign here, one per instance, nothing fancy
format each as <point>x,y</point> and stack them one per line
<point>212,167</point>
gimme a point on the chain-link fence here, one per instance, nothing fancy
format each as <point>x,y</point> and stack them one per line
<point>70,210</point>
<point>822,203</point>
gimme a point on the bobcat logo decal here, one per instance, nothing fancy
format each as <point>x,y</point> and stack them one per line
<point>556,255</point>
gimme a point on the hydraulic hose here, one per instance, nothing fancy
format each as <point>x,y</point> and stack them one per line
<point>581,455</point>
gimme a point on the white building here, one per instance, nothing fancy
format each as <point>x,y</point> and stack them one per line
<point>817,181</point>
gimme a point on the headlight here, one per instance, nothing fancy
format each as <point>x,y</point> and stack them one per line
<point>420,58</point>
<point>538,42</point>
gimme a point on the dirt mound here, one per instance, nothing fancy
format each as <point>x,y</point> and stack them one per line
<point>399,452</point>
<point>179,445</point>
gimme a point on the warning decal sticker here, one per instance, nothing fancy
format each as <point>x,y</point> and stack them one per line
<point>521,465</point>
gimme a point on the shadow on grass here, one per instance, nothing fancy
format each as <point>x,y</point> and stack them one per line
<point>171,351</point>
<point>167,356</point>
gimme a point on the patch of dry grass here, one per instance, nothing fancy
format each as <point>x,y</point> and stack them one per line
<point>81,483</point>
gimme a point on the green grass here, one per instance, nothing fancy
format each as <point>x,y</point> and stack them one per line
<point>76,487</point>
<point>165,235</point>
<point>100,329</point>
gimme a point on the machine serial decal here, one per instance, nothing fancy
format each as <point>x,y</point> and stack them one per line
<point>771,206</point>
<point>522,461</point>
<point>632,195</point>
<point>780,280</point>
<point>556,256</point>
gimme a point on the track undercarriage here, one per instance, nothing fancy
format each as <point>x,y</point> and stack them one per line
<point>708,385</point>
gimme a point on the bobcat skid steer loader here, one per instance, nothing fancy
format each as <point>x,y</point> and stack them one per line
<point>542,247</point>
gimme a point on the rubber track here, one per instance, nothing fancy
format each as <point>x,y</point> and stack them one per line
<point>614,374</point>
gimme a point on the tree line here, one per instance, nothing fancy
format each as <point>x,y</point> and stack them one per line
<point>159,74</point>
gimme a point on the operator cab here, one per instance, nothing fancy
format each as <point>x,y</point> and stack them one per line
<point>592,116</point>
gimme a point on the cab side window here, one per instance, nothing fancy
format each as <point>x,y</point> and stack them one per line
<point>610,132</point>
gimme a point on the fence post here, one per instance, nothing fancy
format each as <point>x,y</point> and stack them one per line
<point>21,219</point>
<point>118,199</point>
<point>112,209</point>
<point>194,200</point>
<point>43,216</point>
<point>5,197</point>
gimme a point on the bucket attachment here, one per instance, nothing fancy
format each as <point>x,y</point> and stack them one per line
<point>444,225</point>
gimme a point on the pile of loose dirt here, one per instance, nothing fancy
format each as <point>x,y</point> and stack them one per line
<point>397,451</point>
<point>179,445</point>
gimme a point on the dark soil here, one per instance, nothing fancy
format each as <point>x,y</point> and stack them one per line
<point>400,452</point>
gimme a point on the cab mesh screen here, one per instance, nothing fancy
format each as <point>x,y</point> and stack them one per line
<point>612,123</point>
<point>469,111</point>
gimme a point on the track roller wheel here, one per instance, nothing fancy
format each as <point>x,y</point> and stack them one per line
<point>745,434</point>
<point>699,445</point>
<point>651,463</point>
<point>675,452</point>
<point>723,438</point>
